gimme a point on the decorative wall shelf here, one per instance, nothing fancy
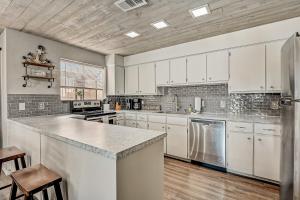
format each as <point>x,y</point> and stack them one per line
<point>49,66</point>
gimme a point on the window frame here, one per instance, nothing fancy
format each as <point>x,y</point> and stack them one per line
<point>103,89</point>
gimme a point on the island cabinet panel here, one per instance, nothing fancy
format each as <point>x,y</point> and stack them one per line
<point>177,141</point>
<point>240,152</point>
<point>267,156</point>
<point>131,123</point>
<point>247,69</point>
<point>162,71</point>
<point>147,79</point>
<point>132,80</point>
<point>142,124</point>
<point>178,71</point>
<point>196,69</point>
<point>273,66</point>
<point>217,67</point>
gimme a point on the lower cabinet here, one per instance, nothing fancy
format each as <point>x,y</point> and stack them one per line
<point>240,152</point>
<point>177,141</point>
<point>267,156</point>
<point>142,124</point>
<point>130,123</point>
<point>159,127</point>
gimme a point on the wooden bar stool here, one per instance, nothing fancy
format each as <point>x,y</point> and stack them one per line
<point>35,179</point>
<point>9,154</point>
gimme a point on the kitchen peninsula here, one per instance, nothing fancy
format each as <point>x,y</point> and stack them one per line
<point>96,160</point>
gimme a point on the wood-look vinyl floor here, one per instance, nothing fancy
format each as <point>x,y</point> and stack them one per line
<point>185,181</point>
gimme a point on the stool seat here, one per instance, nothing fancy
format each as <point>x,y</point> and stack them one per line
<point>34,179</point>
<point>10,153</point>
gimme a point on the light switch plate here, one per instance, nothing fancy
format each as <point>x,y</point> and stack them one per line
<point>22,106</point>
<point>222,104</point>
<point>41,105</point>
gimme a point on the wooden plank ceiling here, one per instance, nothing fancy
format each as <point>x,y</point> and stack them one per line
<point>98,25</point>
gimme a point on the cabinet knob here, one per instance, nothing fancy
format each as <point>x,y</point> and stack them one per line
<point>272,87</point>
<point>203,79</point>
<point>262,87</point>
<point>169,127</point>
<point>209,78</point>
<point>259,139</point>
<point>249,138</point>
<point>163,127</point>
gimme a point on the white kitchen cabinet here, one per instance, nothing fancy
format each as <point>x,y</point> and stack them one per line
<point>159,127</point>
<point>142,124</point>
<point>217,67</point>
<point>178,71</point>
<point>196,69</point>
<point>119,80</point>
<point>162,71</point>
<point>240,152</point>
<point>120,122</point>
<point>267,156</point>
<point>273,66</point>
<point>132,80</point>
<point>247,69</point>
<point>130,123</point>
<point>177,141</point>
<point>147,79</point>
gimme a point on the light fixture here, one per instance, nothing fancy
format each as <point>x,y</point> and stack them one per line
<point>200,11</point>
<point>132,34</point>
<point>160,24</point>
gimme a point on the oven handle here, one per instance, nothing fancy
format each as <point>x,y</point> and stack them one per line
<point>93,118</point>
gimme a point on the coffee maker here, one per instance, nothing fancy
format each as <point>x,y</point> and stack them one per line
<point>137,104</point>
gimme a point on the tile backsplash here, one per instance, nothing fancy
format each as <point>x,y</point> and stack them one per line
<point>52,105</point>
<point>212,96</point>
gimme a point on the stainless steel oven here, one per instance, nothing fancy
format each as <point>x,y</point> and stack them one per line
<point>107,119</point>
<point>207,141</point>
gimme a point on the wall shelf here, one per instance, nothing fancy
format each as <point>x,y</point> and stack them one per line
<point>49,66</point>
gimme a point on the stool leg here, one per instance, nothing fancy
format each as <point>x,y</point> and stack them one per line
<point>45,194</point>
<point>17,164</point>
<point>13,191</point>
<point>30,197</point>
<point>23,163</point>
<point>0,167</point>
<point>58,191</point>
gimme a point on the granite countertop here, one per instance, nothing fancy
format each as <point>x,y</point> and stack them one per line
<point>111,141</point>
<point>251,118</point>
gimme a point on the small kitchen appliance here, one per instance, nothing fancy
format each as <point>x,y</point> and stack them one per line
<point>137,104</point>
<point>198,102</point>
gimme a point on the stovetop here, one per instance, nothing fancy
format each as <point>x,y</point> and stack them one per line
<point>95,113</point>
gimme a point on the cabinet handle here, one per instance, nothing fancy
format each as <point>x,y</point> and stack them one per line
<point>268,129</point>
<point>163,127</point>
<point>203,79</point>
<point>249,138</point>
<point>272,87</point>
<point>241,127</point>
<point>171,81</point>
<point>209,78</point>
<point>169,127</point>
<point>259,139</point>
<point>262,87</point>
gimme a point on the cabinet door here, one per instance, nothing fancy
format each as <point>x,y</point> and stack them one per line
<point>159,127</point>
<point>177,141</point>
<point>217,67</point>
<point>130,123</point>
<point>196,69</point>
<point>120,123</point>
<point>147,78</point>
<point>119,80</point>
<point>267,156</point>
<point>142,124</point>
<point>247,69</point>
<point>273,66</point>
<point>178,71</point>
<point>162,70</point>
<point>131,80</point>
<point>240,152</point>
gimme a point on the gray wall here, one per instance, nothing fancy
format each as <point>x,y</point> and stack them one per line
<point>212,95</point>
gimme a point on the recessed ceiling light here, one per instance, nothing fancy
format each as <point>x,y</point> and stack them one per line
<point>200,11</point>
<point>160,24</point>
<point>132,34</point>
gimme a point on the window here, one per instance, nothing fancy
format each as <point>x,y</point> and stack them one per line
<point>79,81</point>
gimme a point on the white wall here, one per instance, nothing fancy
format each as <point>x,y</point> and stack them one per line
<point>259,34</point>
<point>19,44</point>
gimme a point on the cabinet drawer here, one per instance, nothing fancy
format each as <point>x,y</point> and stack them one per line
<point>157,118</point>
<point>268,129</point>
<point>141,117</point>
<point>130,116</point>
<point>240,127</point>
<point>180,121</point>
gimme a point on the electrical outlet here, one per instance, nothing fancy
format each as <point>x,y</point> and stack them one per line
<point>222,104</point>
<point>41,105</point>
<point>21,106</point>
<point>202,103</point>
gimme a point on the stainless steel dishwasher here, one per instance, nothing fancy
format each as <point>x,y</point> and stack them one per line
<point>207,141</point>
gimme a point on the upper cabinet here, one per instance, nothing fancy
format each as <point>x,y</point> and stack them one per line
<point>147,79</point>
<point>217,67</point>
<point>196,69</point>
<point>178,71</point>
<point>162,73</point>
<point>115,80</point>
<point>247,69</point>
<point>273,66</point>
<point>132,80</point>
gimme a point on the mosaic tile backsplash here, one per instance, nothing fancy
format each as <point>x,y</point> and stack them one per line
<point>52,105</point>
<point>212,96</point>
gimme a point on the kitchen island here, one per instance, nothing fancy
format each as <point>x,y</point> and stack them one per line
<point>96,161</point>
